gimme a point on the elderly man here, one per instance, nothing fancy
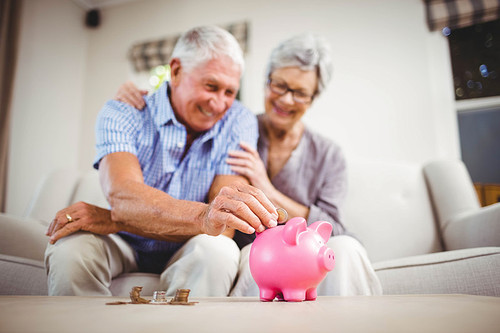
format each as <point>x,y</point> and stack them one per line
<point>164,173</point>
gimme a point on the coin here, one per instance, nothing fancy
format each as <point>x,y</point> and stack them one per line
<point>181,295</point>
<point>181,298</point>
<point>282,215</point>
<point>159,296</point>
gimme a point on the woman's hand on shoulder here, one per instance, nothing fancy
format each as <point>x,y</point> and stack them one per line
<point>130,94</point>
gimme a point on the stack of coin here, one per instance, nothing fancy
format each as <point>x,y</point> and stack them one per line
<point>181,296</point>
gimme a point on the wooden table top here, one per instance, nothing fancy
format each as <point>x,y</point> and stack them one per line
<point>405,313</point>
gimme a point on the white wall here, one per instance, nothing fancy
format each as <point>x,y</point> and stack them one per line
<point>391,96</point>
<point>47,98</point>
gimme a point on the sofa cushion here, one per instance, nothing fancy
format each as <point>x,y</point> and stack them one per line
<point>388,208</point>
<point>21,276</point>
<point>473,271</point>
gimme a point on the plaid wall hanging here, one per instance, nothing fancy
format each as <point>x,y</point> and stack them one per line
<point>460,13</point>
<point>147,55</point>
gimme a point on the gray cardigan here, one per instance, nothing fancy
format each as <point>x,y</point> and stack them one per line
<point>314,175</point>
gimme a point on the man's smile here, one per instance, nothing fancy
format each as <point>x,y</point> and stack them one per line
<point>205,112</point>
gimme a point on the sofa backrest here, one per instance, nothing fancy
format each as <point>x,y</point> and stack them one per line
<point>52,194</point>
<point>388,206</point>
<point>89,189</point>
<point>61,188</point>
<point>389,209</point>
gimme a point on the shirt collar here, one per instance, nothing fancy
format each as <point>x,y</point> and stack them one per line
<point>160,107</point>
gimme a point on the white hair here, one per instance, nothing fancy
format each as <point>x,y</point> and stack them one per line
<point>202,44</point>
<point>306,51</point>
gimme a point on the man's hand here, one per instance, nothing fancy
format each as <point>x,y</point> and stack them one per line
<point>84,217</point>
<point>239,206</point>
<point>130,94</point>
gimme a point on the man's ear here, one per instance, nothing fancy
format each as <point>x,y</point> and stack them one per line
<point>175,71</point>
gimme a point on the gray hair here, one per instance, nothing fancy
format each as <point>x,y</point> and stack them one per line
<point>306,51</point>
<point>201,44</point>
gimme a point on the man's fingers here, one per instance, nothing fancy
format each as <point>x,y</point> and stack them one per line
<point>238,224</point>
<point>55,224</point>
<point>244,211</point>
<point>233,221</point>
<point>260,196</point>
<point>242,207</point>
<point>61,220</point>
<point>50,228</point>
<point>68,230</point>
<point>219,219</point>
<point>256,201</point>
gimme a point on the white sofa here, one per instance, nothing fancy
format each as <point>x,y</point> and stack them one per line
<point>422,226</point>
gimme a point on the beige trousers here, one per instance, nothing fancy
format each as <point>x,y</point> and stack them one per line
<point>84,264</point>
<point>352,274</point>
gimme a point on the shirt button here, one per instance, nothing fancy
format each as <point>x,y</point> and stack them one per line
<point>180,144</point>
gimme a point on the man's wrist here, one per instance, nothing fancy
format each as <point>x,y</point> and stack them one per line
<point>202,218</point>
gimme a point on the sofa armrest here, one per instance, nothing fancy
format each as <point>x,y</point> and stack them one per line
<point>22,237</point>
<point>451,189</point>
<point>477,228</point>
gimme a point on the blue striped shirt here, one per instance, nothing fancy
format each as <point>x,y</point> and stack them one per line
<point>158,139</point>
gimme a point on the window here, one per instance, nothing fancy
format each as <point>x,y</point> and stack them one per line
<point>475,58</point>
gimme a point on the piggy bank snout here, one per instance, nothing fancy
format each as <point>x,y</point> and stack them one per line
<point>326,258</point>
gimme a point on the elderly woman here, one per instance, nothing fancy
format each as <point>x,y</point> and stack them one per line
<point>300,170</point>
<point>297,169</point>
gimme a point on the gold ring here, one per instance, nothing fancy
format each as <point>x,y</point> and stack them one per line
<point>70,219</point>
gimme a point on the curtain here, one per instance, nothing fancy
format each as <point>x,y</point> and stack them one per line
<point>147,55</point>
<point>10,13</point>
<point>460,13</point>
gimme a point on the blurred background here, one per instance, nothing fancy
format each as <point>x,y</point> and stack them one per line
<point>392,96</point>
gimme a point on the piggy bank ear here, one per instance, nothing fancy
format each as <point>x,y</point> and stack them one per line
<point>293,228</point>
<point>323,228</point>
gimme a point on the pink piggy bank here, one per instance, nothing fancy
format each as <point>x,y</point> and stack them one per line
<point>289,261</point>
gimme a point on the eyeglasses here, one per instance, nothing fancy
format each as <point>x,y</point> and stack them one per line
<point>281,88</point>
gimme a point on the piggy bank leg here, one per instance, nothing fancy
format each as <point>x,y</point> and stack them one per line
<point>311,294</point>
<point>267,295</point>
<point>294,295</point>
